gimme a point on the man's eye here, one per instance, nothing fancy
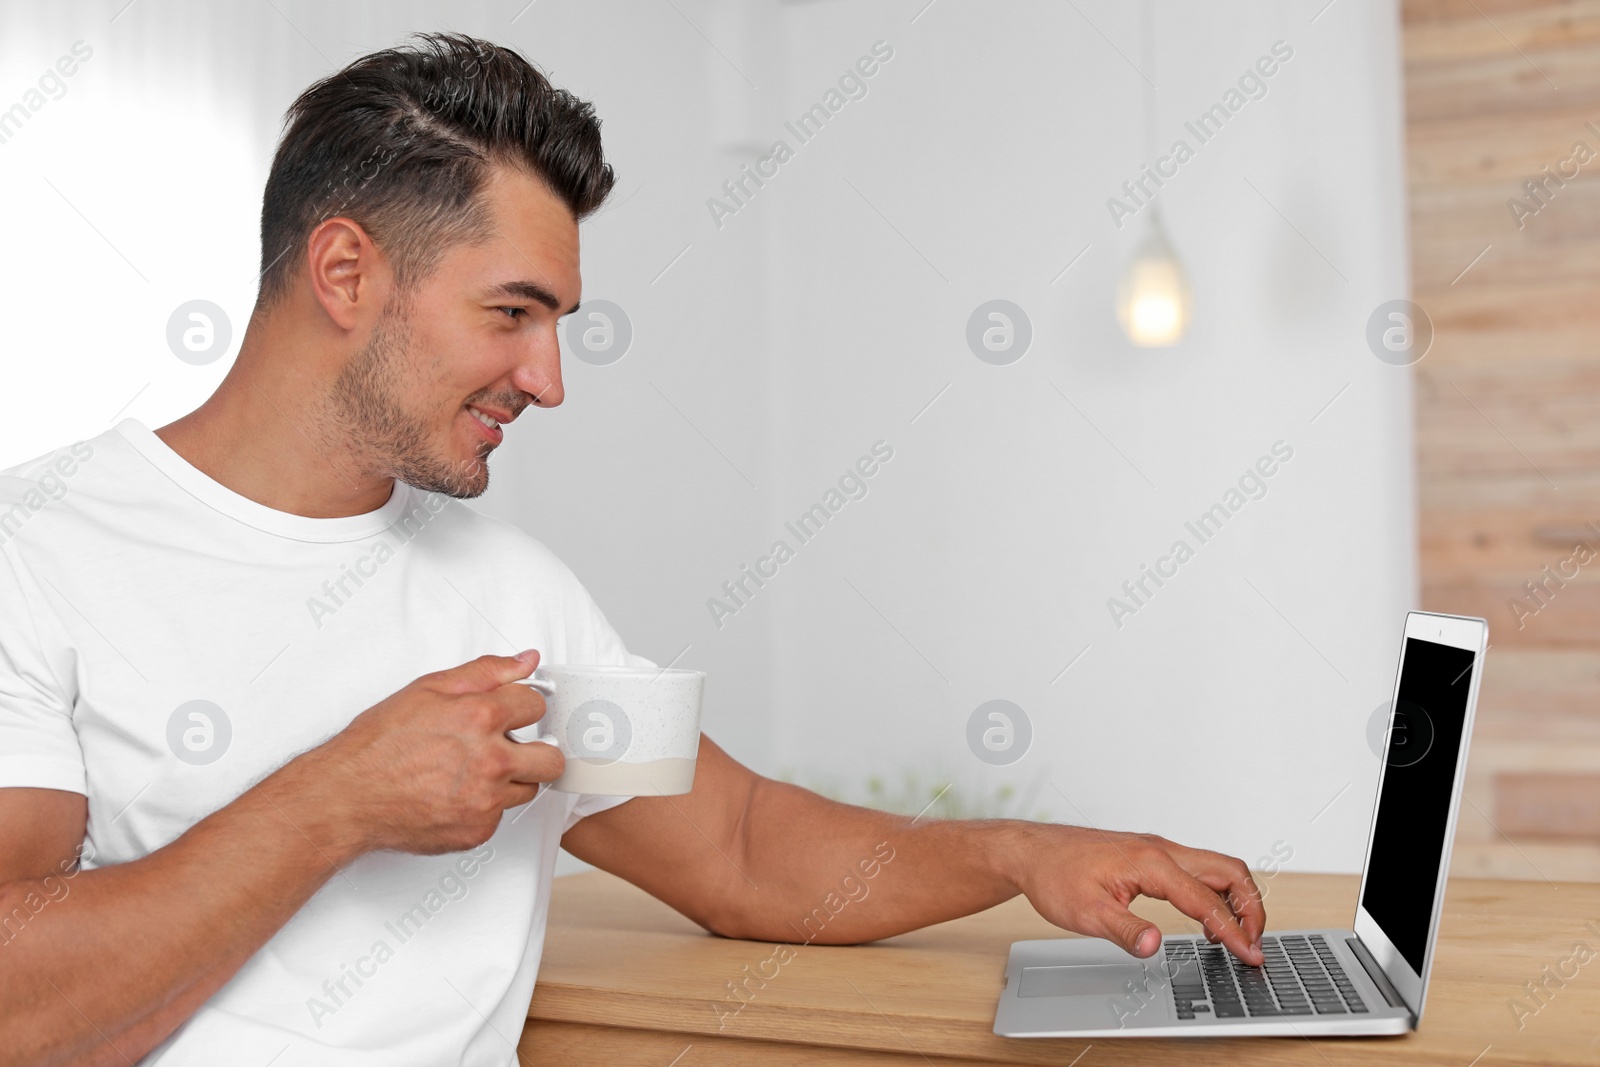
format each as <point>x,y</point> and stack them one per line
<point>514,312</point>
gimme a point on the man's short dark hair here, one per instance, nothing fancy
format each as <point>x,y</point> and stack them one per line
<point>403,140</point>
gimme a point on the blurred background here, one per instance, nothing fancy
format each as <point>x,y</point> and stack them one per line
<point>1336,344</point>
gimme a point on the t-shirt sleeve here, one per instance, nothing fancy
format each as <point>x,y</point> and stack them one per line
<point>38,744</point>
<point>602,645</point>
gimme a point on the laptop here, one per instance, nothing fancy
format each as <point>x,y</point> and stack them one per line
<point>1370,979</point>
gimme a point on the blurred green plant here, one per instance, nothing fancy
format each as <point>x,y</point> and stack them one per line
<point>937,794</point>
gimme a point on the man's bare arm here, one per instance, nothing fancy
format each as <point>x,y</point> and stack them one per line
<point>746,856</point>
<point>118,957</point>
<point>114,964</point>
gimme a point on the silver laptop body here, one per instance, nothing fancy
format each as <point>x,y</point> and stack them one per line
<point>1371,979</point>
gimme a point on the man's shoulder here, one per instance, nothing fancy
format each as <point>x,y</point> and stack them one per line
<point>61,460</point>
<point>52,476</point>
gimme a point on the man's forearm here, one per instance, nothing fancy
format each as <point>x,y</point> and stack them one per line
<point>107,971</point>
<point>745,856</point>
<point>833,873</point>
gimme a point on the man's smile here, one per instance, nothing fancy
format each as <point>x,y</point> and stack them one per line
<point>489,422</point>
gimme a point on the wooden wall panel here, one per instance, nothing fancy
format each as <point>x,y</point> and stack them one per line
<point>1508,404</point>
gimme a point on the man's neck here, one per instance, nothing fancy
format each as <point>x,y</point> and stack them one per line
<point>258,436</point>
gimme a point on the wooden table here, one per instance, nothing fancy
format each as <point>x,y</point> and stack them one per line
<point>625,980</point>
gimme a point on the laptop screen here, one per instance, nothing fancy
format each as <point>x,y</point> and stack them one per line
<point>1414,806</point>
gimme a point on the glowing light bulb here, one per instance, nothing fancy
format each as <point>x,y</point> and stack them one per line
<point>1153,301</point>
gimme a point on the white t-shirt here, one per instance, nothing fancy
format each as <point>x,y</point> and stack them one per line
<point>165,643</point>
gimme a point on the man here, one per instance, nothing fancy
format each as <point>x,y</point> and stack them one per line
<point>230,828</point>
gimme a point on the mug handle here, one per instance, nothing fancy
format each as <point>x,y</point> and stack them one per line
<point>543,685</point>
<point>548,688</point>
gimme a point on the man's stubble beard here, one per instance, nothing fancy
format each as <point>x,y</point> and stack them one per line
<point>368,418</point>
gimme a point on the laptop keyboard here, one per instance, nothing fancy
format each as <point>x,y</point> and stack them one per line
<point>1301,976</point>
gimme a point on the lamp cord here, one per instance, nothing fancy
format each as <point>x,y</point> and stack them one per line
<point>1148,55</point>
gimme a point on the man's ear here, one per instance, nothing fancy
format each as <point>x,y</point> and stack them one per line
<point>348,274</point>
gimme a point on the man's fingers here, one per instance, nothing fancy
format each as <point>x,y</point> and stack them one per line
<point>1141,937</point>
<point>1198,901</point>
<point>1232,879</point>
<point>1251,911</point>
<point>537,761</point>
<point>518,794</point>
<point>488,672</point>
<point>521,705</point>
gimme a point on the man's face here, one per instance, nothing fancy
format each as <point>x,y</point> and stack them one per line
<point>478,335</point>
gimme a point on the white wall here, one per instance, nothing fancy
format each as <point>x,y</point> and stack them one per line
<point>821,318</point>
<point>1220,714</point>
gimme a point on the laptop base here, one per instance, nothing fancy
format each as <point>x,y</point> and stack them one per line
<point>1087,987</point>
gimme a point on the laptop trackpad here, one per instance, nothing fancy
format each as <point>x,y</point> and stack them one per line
<point>1080,980</point>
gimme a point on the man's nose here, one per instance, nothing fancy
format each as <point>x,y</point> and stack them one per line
<point>539,375</point>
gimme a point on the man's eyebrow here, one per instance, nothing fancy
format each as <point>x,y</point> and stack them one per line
<point>531,291</point>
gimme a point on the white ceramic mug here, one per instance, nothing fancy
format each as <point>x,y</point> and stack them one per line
<point>625,731</point>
